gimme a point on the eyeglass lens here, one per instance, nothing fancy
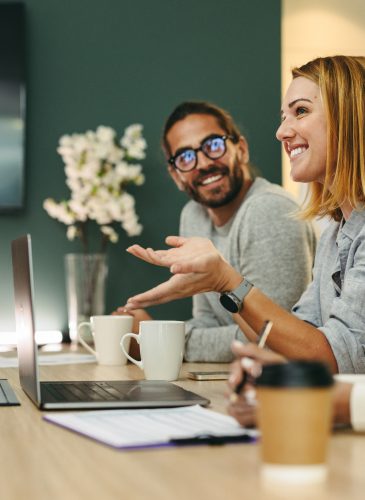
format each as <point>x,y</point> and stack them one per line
<point>213,148</point>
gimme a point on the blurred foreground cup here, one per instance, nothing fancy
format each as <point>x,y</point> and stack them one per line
<point>294,414</point>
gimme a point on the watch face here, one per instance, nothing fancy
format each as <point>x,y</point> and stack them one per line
<point>228,302</point>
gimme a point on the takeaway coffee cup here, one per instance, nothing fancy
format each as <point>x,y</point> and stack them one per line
<point>107,332</point>
<point>161,346</point>
<point>294,415</point>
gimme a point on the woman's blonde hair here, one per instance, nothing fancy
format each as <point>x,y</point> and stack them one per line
<point>341,80</point>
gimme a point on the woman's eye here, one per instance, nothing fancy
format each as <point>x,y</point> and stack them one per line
<point>300,110</point>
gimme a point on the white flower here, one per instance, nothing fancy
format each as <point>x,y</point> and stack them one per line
<point>115,154</point>
<point>109,231</point>
<point>50,206</point>
<point>59,211</point>
<point>73,184</point>
<point>132,227</point>
<point>65,140</point>
<point>127,201</point>
<point>101,150</point>
<point>80,143</point>
<point>139,180</point>
<point>133,142</point>
<point>122,170</point>
<point>136,150</point>
<point>133,131</point>
<point>105,134</point>
<point>98,169</point>
<point>79,209</point>
<point>71,232</point>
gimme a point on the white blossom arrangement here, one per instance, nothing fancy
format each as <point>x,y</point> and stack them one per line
<point>98,168</point>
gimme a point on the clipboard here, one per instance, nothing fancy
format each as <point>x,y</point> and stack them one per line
<point>155,428</point>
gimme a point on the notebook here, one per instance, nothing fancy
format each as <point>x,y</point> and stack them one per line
<point>77,394</point>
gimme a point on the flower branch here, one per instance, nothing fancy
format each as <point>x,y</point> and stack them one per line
<point>98,169</point>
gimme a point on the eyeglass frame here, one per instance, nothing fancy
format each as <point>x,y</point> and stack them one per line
<point>224,137</point>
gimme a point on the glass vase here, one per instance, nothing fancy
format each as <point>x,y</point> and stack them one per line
<point>85,285</point>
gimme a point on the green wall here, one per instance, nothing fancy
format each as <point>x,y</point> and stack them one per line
<point>118,62</point>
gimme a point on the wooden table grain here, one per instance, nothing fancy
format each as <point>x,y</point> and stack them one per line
<point>40,461</point>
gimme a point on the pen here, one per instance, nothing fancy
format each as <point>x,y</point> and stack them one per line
<point>261,340</point>
<point>213,440</point>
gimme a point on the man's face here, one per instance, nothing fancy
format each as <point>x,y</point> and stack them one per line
<point>213,183</point>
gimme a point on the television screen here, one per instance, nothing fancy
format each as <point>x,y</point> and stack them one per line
<point>12,106</point>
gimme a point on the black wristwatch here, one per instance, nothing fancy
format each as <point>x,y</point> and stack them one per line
<point>233,301</point>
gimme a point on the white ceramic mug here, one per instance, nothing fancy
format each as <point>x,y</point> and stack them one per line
<point>162,348</point>
<point>107,332</point>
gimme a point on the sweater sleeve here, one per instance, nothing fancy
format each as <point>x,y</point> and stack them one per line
<point>269,247</point>
<point>275,250</point>
<point>211,330</point>
<point>209,334</point>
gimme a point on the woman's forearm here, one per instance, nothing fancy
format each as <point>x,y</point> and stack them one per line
<point>198,267</point>
<point>290,336</point>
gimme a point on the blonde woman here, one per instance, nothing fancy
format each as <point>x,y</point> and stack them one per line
<point>322,131</point>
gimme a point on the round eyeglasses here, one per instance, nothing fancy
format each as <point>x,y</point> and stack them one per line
<point>213,147</point>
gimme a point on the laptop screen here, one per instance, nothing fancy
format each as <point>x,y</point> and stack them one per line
<point>24,316</point>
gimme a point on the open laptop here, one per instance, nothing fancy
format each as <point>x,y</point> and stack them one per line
<point>84,394</point>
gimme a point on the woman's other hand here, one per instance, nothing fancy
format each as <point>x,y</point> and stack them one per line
<point>249,358</point>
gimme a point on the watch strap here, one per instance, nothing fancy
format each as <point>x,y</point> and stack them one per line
<point>233,301</point>
<point>242,290</point>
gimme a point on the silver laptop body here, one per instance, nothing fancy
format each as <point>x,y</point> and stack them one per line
<point>77,394</point>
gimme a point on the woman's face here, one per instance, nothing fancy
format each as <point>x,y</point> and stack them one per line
<point>303,131</point>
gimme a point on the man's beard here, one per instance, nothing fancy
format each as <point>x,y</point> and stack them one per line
<point>217,198</point>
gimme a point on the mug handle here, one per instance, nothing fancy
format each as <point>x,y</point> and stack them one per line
<point>135,361</point>
<point>81,340</point>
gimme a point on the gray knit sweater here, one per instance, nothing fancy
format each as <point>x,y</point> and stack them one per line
<point>267,245</point>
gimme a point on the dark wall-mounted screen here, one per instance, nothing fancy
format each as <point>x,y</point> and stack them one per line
<point>12,106</point>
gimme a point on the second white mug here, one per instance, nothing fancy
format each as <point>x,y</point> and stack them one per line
<point>162,348</point>
<point>107,332</point>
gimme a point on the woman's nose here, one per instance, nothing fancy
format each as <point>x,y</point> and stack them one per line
<point>285,131</point>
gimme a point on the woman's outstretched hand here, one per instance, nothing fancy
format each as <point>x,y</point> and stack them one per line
<point>196,265</point>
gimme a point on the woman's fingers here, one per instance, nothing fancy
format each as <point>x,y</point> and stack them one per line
<point>156,257</point>
<point>202,269</point>
<point>175,241</point>
<point>243,410</point>
<point>139,252</point>
<point>169,290</point>
<point>236,374</point>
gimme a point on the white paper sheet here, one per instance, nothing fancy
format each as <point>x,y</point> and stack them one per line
<point>131,429</point>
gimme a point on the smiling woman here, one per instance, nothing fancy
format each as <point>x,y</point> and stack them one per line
<point>341,83</point>
<point>324,135</point>
<point>303,131</point>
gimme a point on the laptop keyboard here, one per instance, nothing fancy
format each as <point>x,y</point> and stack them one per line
<point>80,391</point>
<point>7,395</point>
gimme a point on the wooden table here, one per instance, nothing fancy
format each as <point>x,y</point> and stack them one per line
<point>40,461</point>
